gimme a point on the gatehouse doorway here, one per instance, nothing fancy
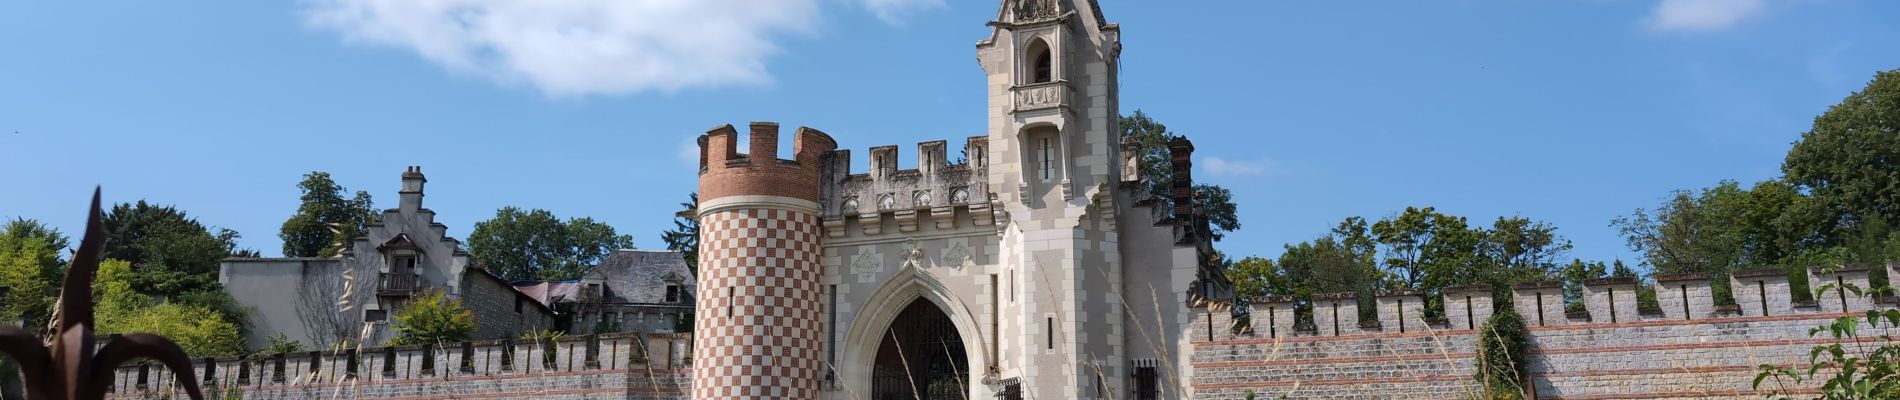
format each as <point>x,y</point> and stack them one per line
<point>920,357</point>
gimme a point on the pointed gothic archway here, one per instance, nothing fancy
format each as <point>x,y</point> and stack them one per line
<point>886,310</point>
<point>920,357</point>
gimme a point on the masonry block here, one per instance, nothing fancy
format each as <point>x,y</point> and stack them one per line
<point>1685,296</point>
<point>1838,298</point>
<point>1541,303</point>
<point>1273,316</point>
<point>1401,311</point>
<point>1610,300</point>
<point>1336,313</point>
<point>1762,291</point>
<point>1467,307</point>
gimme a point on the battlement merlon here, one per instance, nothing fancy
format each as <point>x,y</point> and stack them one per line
<point>936,183</point>
<point>760,174</point>
<point>931,156</point>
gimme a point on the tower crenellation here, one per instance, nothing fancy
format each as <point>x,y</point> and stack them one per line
<point>937,187</point>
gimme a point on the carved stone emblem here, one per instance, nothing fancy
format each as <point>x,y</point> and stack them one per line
<point>960,196</point>
<point>867,264</point>
<point>914,255</point>
<point>887,202</point>
<point>850,206</point>
<point>957,256</point>
<point>922,199</point>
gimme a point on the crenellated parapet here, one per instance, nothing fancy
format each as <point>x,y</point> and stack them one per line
<point>724,172</point>
<point>1758,293</point>
<point>938,187</point>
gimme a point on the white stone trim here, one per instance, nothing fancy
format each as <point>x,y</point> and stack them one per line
<point>757,201</point>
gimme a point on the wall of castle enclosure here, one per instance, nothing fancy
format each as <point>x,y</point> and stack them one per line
<point>574,367</point>
<point>1690,348</point>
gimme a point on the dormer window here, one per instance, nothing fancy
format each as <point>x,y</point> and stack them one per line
<point>672,293</point>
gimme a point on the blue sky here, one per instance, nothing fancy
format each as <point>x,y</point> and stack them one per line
<point>1572,112</point>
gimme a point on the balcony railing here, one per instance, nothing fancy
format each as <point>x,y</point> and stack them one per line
<point>1037,96</point>
<point>396,284</point>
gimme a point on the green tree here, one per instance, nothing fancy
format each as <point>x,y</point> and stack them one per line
<point>1846,158</point>
<point>1524,250</point>
<point>175,256</point>
<point>684,237</point>
<point>432,318</point>
<point>1251,275</point>
<point>531,245</point>
<point>172,252</point>
<point>26,279</point>
<point>22,230</point>
<point>1157,168</point>
<point>120,308</point>
<point>1723,228</point>
<point>1341,261</point>
<point>324,217</point>
<point>1573,275</point>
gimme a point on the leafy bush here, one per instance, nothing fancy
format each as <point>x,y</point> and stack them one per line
<point>280,344</point>
<point>1503,344</point>
<point>1851,366</point>
<point>432,318</point>
<point>201,331</point>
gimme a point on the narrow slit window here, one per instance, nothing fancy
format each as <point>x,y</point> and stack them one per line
<point>1049,332</point>
<point>1685,301</point>
<point>1471,321</point>
<point>1540,308</point>
<point>1335,319</point>
<point>1048,160</point>
<point>730,301</point>
<point>1761,288</point>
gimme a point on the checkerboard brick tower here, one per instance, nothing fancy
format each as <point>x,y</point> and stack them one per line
<point>757,319</point>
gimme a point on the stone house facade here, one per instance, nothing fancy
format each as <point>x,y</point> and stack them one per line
<point>629,291</point>
<point>350,297</point>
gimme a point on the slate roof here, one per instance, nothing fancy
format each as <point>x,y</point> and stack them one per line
<point>641,276</point>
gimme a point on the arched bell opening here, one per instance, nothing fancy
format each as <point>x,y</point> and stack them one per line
<point>921,356</point>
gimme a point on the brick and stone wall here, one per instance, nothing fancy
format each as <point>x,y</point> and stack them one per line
<point>621,366</point>
<point>1692,349</point>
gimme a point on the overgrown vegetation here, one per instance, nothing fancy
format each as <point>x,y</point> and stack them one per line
<point>1856,363</point>
<point>1503,348</point>
<point>119,308</point>
<point>431,318</point>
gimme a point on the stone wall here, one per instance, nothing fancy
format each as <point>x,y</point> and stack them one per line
<point>606,366</point>
<point>1688,349</point>
<point>500,310</point>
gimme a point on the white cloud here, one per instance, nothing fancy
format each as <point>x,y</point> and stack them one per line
<point>1703,15</point>
<point>583,47</point>
<point>1217,166</point>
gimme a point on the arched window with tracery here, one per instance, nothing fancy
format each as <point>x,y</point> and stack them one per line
<point>1042,62</point>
